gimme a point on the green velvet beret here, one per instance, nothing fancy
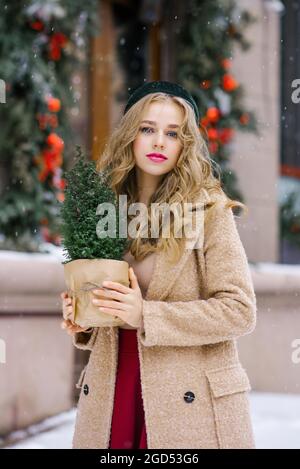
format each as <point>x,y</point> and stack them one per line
<point>162,87</point>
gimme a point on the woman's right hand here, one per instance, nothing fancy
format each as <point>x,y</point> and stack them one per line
<point>67,308</point>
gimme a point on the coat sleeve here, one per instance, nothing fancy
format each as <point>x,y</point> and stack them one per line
<point>85,340</point>
<point>229,308</point>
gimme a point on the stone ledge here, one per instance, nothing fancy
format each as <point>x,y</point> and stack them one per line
<point>31,282</point>
<point>275,278</point>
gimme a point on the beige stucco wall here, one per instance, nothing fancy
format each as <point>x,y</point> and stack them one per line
<point>37,371</point>
<point>271,353</point>
<point>256,158</point>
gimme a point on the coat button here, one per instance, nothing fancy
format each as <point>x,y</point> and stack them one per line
<point>189,396</point>
<point>86,389</point>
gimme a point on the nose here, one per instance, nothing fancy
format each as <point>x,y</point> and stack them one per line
<point>159,140</point>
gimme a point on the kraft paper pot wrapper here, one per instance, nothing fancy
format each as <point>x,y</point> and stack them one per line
<point>84,275</point>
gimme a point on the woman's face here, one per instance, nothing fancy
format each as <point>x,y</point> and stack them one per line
<point>160,135</point>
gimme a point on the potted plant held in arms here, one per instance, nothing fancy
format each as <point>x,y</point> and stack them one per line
<point>93,254</point>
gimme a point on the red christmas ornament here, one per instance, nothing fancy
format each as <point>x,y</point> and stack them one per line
<point>57,42</point>
<point>229,83</point>
<point>212,134</point>
<point>213,114</point>
<point>47,119</point>
<point>37,25</point>
<point>53,104</point>
<point>55,141</point>
<point>52,159</point>
<point>225,135</point>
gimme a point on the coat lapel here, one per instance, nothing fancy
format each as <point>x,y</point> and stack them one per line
<point>164,275</point>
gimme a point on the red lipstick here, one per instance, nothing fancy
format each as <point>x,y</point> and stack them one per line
<point>156,157</point>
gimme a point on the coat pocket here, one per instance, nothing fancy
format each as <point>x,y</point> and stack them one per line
<point>81,378</point>
<point>229,388</point>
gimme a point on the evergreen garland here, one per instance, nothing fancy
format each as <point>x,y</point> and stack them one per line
<point>41,42</point>
<point>206,40</point>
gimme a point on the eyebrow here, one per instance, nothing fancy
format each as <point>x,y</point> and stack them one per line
<point>172,126</point>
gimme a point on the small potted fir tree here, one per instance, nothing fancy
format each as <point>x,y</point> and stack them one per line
<point>92,256</point>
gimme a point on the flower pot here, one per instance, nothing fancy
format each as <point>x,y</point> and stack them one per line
<point>84,275</point>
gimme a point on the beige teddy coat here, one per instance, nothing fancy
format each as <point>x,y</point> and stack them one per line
<point>194,388</point>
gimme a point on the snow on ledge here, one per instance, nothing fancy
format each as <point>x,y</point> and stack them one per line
<point>52,253</point>
<point>269,277</point>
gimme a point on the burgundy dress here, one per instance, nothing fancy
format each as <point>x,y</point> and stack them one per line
<point>128,430</point>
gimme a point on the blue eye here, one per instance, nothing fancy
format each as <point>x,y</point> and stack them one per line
<point>145,128</point>
<point>149,128</point>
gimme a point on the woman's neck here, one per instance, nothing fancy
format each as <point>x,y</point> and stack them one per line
<point>146,186</point>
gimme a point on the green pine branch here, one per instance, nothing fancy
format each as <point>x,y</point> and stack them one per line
<point>86,189</point>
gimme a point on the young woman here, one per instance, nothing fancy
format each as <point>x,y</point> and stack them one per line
<point>171,377</point>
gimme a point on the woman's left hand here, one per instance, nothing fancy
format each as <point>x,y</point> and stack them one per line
<point>121,301</point>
